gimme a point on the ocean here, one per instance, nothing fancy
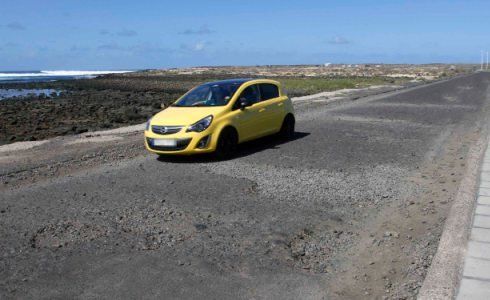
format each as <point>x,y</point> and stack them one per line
<point>42,76</point>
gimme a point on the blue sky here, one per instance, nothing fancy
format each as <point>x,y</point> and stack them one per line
<point>72,34</point>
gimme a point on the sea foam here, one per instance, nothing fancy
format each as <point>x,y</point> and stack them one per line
<point>59,73</point>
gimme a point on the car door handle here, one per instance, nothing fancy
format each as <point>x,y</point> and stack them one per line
<point>280,104</point>
<point>262,109</point>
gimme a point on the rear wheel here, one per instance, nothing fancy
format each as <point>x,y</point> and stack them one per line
<point>227,143</point>
<point>287,128</point>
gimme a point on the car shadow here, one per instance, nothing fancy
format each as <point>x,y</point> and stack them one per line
<point>245,149</point>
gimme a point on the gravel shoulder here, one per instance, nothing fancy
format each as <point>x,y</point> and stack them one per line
<point>353,207</point>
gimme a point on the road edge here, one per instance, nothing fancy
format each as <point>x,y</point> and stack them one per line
<point>444,274</point>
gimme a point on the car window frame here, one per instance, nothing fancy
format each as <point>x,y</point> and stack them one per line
<point>269,83</point>
<point>237,101</point>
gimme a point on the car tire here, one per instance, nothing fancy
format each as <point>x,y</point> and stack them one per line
<point>287,128</point>
<point>227,144</point>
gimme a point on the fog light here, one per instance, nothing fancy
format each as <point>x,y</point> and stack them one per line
<point>203,143</point>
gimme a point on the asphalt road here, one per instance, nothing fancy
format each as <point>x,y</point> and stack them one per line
<point>353,207</point>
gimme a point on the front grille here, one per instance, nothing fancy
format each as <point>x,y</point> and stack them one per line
<point>181,145</point>
<point>165,129</point>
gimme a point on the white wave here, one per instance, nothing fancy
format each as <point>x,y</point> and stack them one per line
<point>61,73</point>
<point>20,74</point>
<point>81,73</point>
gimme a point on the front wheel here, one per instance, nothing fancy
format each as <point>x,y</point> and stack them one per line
<point>227,143</point>
<point>287,128</point>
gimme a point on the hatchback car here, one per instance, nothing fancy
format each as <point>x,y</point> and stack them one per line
<point>216,116</point>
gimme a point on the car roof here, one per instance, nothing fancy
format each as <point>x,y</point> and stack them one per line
<point>242,81</point>
<point>231,81</point>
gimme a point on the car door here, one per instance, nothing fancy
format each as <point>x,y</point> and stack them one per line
<point>249,121</point>
<point>273,105</point>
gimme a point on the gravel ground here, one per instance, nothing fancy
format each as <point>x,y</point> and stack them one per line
<point>353,207</point>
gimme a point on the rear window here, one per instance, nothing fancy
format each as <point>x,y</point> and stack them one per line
<point>268,91</point>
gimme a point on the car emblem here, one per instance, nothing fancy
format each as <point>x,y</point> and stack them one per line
<point>163,129</point>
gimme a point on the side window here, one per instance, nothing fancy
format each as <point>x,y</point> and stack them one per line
<point>268,91</point>
<point>251,93</point>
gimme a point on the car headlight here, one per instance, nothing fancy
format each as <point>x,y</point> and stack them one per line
<point>200,125</point>
<point>148,124</point>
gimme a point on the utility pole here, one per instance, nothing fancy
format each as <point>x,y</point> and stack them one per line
<point>481,60</point>
<point>487,61</point>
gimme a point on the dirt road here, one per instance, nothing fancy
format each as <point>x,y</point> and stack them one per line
<point>353,207</point>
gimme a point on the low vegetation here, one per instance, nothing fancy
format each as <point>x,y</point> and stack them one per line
<point>307,86</point>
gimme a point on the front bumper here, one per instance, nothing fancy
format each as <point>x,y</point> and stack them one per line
<point>186,143</point>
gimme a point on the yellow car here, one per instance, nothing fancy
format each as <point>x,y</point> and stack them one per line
<point>216,116</point>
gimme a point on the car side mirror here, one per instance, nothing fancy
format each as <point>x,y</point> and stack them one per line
<point>243,102</point>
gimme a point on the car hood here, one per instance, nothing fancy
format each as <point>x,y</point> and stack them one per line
<point>183,116</point>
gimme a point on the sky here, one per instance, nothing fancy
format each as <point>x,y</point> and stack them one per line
<point>117,35</point>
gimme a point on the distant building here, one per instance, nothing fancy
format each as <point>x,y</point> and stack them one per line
<point>327,64</point>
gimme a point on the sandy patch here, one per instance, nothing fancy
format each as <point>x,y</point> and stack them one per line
<point>21,146</point>
<point>337,95</point>
<point>95,139</point>
<point>121,130</point>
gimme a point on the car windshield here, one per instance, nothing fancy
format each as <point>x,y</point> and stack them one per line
<point>209,94</point>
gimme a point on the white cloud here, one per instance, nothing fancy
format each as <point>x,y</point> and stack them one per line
<point>338,40</point>
<point>199,46</point>
<point>200,31</point>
